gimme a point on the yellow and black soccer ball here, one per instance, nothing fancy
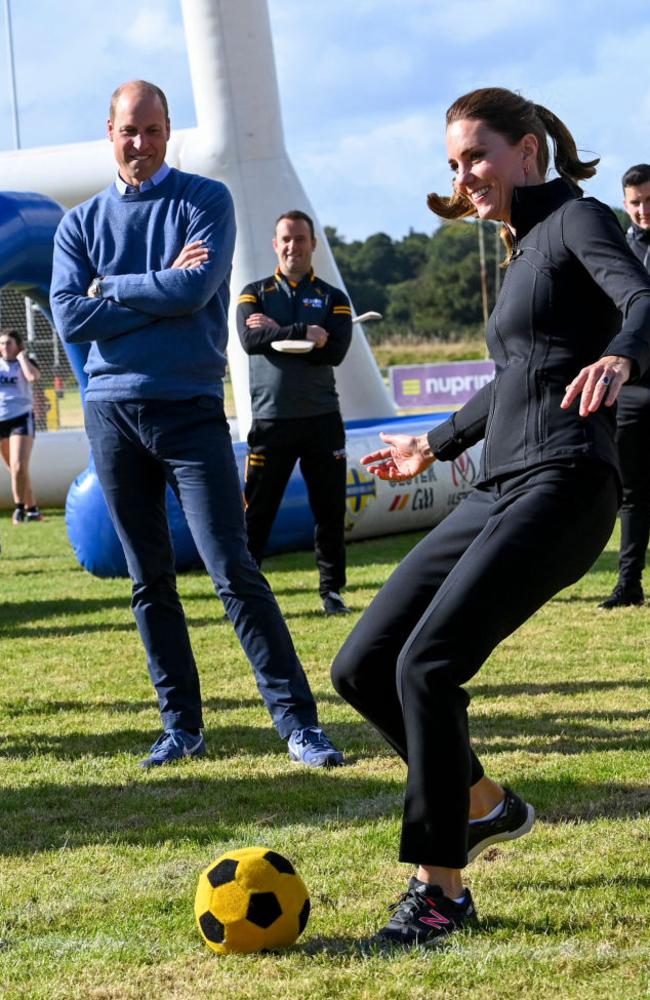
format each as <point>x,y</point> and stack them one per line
<point>250,900</point>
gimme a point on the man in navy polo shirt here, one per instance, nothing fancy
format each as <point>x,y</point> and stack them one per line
<point>295,405</point>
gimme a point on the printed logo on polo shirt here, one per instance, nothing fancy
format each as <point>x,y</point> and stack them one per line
<point>314,303</point>
<point>8,379</point>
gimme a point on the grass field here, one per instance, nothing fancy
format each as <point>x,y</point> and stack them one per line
<point>99,860</point>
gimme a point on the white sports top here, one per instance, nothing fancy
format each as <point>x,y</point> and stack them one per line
<point>15,391</point>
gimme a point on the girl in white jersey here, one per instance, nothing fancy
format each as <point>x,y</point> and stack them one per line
<point>17,373</point>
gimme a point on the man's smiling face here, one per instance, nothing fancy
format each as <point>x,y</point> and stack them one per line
<point>139,132</point>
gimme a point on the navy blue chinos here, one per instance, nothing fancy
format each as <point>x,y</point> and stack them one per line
<point>138,448</point>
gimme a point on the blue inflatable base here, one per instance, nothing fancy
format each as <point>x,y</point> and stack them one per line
<point>98,548</point>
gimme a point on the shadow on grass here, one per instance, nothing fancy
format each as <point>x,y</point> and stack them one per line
<point>564,923</point>
<point>35,707</point>
<point>24,619</point>
<point>37,631</point>
<point>355,948</point>
<point>52,631</point>
<point>316,614</point>
<point>223,742</point>
<point>570,799</point>
<point>553,687</point>
<point>595,599</point>
<point>622,882</point>
<point>350,588</point>
<point>184,802</point>
<point>30,611</point>
<point>46,571</point>
<point>561,732</point>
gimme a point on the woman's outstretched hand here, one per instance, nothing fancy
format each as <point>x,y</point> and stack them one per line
<point>404,457</point>
<point>598,383</point>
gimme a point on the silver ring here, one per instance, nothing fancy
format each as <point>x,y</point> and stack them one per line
<point>605,380</point>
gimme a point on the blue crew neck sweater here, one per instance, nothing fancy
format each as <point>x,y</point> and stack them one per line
<point>156,332</point>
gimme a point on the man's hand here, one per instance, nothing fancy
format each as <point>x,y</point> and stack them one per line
<point>317,335</point>
<point>258,320</point>
<point>192,255</point>
<point>598,383</point>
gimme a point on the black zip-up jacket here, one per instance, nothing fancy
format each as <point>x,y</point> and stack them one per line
<point>573,292</point>
<point>639,243</point>
<point>286,386</point>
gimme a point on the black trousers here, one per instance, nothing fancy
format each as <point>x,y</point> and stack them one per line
<point>633,440</point>
<point>274,447</point>
<point>471,582</point>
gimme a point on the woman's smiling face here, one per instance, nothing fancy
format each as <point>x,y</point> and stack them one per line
<point>487,167</point>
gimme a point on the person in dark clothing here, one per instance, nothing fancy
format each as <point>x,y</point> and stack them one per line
<point>294,400</point>
<point>545,502</point>
<point>633,422</point>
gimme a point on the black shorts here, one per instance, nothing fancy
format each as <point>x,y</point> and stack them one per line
<point>22,425</point>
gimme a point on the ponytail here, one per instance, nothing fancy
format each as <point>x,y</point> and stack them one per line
<point>513,117</point>
<point>565,153</point>
<point>456,207</point>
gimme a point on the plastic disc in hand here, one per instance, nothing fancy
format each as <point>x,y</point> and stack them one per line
<point>293,346</point>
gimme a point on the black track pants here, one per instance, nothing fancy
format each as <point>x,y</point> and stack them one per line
<point>471,582</point>
<point>633,440</point>
<point>274,447</point>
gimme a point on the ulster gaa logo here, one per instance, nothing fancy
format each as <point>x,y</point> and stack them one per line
<point>361,488</point>
<point>463,471</point>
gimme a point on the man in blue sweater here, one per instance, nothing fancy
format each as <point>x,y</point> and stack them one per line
<point>141,272</point>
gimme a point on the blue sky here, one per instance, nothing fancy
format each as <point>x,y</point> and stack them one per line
<point>364,85</point>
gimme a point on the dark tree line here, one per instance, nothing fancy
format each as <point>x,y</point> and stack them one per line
<point>425,286</point>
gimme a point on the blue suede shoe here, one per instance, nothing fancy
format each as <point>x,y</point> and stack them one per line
<point>174,744</point>
<point>311,746</point>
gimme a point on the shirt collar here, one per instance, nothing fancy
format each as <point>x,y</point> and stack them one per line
<point>280,277</point>
<point>150,182</point>
<point>639,234</point>
<point>532,204</point>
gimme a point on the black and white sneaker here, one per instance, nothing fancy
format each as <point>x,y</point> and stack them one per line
<point>423,917</point>
<point>333,604</point>
<point>515,819</point>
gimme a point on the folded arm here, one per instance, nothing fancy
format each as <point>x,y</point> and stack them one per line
<point>189,282</point>
<point>77,317</point>
<point>257,331</point>
<point>338,327</point>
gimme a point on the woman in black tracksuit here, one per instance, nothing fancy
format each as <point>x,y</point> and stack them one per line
<point>546,499</point>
